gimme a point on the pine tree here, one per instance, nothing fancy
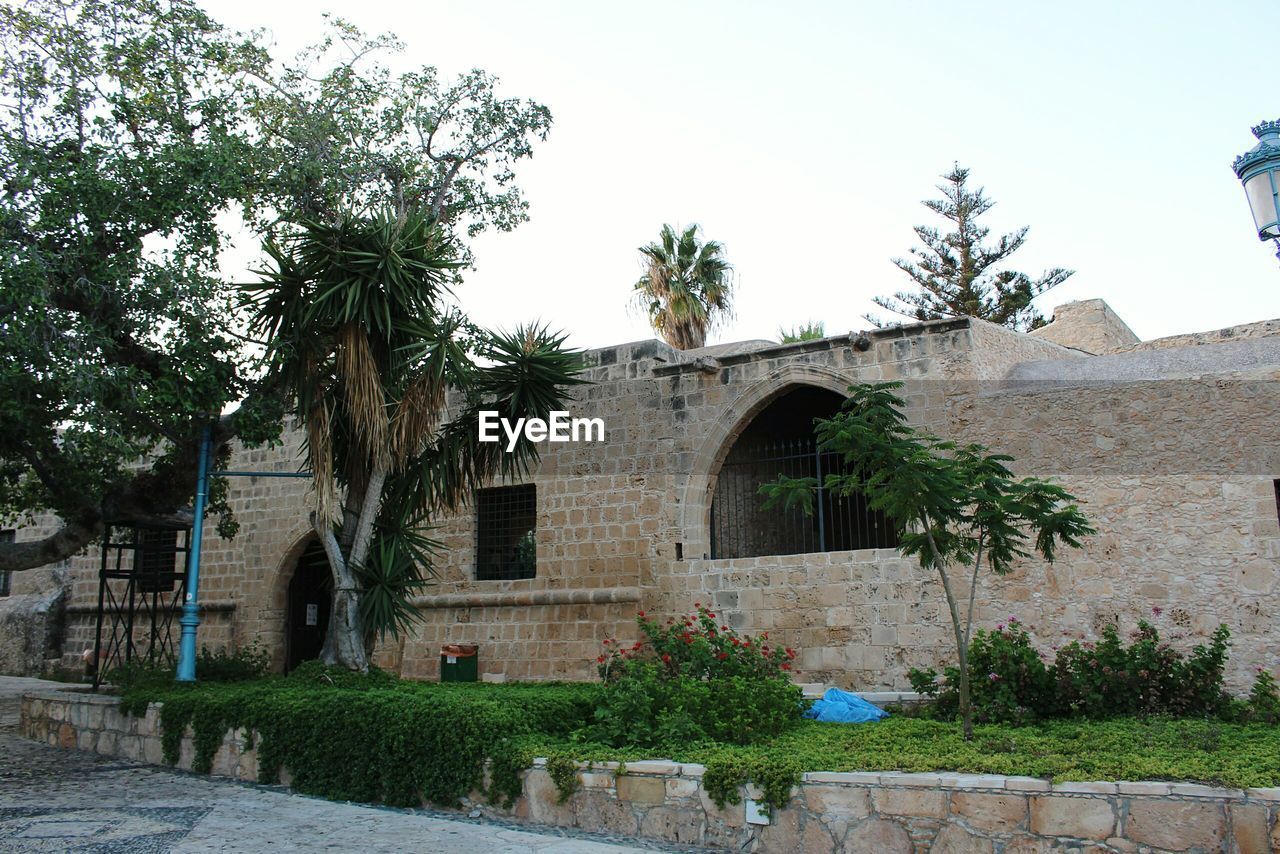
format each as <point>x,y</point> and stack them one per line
<point>954,272</point>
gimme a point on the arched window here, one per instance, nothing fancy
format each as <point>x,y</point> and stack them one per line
<point>780,440</point>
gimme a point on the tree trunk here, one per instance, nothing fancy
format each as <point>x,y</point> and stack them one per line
<point>962,648</point>
<point>344,641</point>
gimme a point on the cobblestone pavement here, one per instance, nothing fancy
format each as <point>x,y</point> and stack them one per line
<point>66,800</point>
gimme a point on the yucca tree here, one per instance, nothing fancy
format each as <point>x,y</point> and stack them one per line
<point>358,335</point>
<point>686,288</point>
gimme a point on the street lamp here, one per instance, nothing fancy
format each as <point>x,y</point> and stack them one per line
<point>1259,170</point>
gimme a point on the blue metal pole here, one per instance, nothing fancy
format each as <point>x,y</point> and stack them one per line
<point>190,609</point>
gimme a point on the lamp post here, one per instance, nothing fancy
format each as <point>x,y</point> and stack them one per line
<point>1259,170</point>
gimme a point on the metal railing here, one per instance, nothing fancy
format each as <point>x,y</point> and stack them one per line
<point>742,527</point>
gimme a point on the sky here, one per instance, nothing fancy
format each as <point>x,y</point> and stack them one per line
<point>803,136</point>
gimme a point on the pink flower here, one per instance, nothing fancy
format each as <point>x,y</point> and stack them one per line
<point>1157,610</point>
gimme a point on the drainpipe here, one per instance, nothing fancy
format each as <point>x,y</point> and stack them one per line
<point>190,610</point>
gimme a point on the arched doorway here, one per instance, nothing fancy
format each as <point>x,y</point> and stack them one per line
<point>780,441</point>
<point>309,602</point>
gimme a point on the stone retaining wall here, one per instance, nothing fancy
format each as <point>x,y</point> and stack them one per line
<point>830,812</point>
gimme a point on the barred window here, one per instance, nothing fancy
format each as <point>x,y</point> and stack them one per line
<point>6,577</point>
<point>156,561</point>
<point>506,532</point>
<point>780,440</point>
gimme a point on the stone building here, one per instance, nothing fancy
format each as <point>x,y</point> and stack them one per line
<point>1173,446</point>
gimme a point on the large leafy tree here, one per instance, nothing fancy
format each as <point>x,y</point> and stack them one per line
<point>346,135</point>
<point>130,128</point>
<point>121,143</point>
<point>957,273</point>
<point>686,288</point>
<point>955,507</point>
<point>362,341</point>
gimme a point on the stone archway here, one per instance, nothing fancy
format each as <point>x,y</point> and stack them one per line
<point>695,505</point>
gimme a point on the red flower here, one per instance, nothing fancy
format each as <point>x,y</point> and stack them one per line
<point>710,616</point>
<point>666,659</point>
<point>786,667</point>
<point>722,656</point>
<point>724,628</point>
<point>640,613</point>
<point>697,604</point>
<point>600,660</point>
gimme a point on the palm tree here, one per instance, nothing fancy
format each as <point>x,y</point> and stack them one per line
<point>359,337</point>
<point>686,286</point>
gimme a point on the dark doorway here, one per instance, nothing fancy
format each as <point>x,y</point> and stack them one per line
<point>310,599</point>
<point>780,440</point>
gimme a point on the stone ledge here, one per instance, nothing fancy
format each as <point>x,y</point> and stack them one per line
<point>857,811</point>
<point>524,598</point>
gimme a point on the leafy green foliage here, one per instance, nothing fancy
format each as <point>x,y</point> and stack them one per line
<point>121,144</point>
<point>402,742</point>
<point>1264,699</point>
<point>686,288</point>
<point>1147,677</point>
<point>776,776</point>
<point>1011,683</point>
<point>955,274</point>
<point>1151,748</point>
<point>409,141</point>
<point>1107,679</point>
<point>694,680</point>
<point>811,331</point>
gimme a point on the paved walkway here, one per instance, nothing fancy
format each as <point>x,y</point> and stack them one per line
<point>66,800</point>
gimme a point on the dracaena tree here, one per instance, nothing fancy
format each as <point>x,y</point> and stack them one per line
<point>957,508</point>
<point>686,288</point>
<point>361,339</point>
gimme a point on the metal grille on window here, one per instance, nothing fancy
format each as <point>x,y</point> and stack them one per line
<point>741,527</point>
<point>6,577</point>
<point>780,440</point>
<point>506,526</point>
<point>156,561</point>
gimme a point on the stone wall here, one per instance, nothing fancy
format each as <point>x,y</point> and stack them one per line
<point>1088,325</point>
<point>1177,476</point>
<point>829,812</point>
<point>32,616</point>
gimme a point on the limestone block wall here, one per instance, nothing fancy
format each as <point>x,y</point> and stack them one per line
<point>1088,325</point>
<point>33,615</point>
<point>828,812</point>
<point>1177,475</point>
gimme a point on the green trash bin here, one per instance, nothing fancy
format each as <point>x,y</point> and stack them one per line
<point>459,662</point>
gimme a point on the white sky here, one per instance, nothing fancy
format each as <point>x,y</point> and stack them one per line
<point>803,136</point>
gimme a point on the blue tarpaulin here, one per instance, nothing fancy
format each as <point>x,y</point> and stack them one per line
<point>841,707</point>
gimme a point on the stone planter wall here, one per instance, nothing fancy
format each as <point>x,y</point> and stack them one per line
<point>847,812</point>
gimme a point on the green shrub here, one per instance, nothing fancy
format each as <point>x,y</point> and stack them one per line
<point>251,661</point>
<point>373,738</point>
<point>1010,683</point>
<point>1108,679</point>
<point>1264,699</point>
<point>642,705</point>
<point>694,680</point>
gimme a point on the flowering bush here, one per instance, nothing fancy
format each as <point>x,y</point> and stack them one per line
<point>694,679</point>
<point>1148,677</point>
<point>1010,683</point>
<point>699,647</point>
